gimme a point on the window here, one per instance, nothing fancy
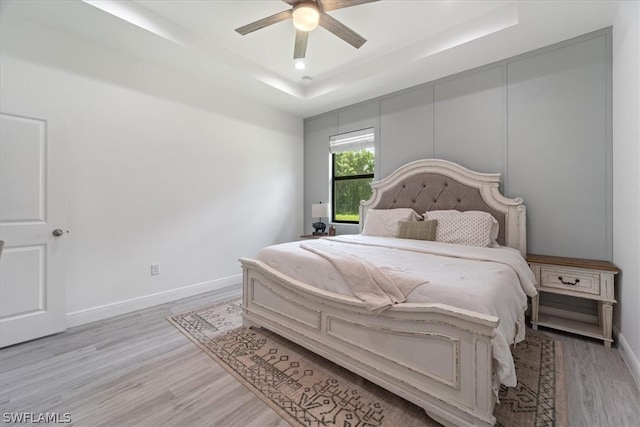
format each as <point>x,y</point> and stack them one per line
<point>352,165</point>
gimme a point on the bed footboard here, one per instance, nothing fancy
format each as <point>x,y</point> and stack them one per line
<point>433,355</point>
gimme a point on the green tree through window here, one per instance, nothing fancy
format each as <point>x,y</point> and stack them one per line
<point>352,176</point>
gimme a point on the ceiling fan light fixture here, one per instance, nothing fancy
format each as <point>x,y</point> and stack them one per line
<point>306,16</point>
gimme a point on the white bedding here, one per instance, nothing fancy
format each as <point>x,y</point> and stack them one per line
<point>493,281</point>
<point>378,287</point>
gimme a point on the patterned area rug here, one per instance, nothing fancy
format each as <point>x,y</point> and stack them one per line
<point>307,390</point>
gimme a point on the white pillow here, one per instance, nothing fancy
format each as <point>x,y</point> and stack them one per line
<point>471,228</point>
<point>384,222</point>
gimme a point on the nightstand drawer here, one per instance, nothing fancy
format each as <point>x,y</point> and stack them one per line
<point>569,279</point>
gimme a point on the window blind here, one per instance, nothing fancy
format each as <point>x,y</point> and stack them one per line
<point>352,141</point>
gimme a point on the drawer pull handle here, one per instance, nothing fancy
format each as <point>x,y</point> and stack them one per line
<point>567,282</point>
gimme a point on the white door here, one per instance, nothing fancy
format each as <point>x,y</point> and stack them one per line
<point>32,222</point>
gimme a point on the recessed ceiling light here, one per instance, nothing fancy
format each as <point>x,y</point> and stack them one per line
<point>300,65</point>
<point>306,80</point>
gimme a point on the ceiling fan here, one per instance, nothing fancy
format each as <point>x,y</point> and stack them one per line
<point>307,15</point>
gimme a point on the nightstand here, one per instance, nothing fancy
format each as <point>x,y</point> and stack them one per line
<point>312,236</point>
<point>581,278</point>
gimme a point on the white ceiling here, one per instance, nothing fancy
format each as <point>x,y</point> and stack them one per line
<point>408,41</point>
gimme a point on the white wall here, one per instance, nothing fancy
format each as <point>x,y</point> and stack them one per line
<point>626,178</point>
<point>161,169</point>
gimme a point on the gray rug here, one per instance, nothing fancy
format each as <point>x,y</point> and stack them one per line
<point>307,390</point>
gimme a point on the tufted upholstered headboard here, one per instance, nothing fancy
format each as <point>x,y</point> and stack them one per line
<point>434,184</point>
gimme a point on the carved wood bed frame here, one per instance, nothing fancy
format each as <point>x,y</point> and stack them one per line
<point>436,356</point>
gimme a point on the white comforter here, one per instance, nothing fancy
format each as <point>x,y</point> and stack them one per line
<point>493,281</point>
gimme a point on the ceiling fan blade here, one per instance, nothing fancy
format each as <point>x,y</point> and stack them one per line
<point>300,48</point>
<point>341,30</point>
<point>327,5</point>
<point>264,22</point>
<point>291,2</point>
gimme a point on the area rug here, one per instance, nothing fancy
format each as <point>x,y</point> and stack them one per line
<point>307,390</point>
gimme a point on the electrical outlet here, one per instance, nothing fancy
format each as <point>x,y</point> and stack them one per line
<point>155,269</point>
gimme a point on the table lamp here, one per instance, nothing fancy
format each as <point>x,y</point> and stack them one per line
<point>320,211</point>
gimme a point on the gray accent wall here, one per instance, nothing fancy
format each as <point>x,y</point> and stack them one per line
<point>469,119</point>
<point>542,119</point>
<point>317,169</point>
<point>559,131</point>
<point>406,126</point>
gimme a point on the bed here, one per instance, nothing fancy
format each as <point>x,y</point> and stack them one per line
<point>427,348</point>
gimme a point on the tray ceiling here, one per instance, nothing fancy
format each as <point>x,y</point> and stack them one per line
<point>408,42</point>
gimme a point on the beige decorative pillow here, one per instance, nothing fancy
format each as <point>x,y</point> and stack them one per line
<point>418,230</point>
<point>384,222</point>
<point>471,228</point>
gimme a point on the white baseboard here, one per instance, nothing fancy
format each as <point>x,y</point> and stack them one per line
<point>82,317</point>
<point>629,358</point>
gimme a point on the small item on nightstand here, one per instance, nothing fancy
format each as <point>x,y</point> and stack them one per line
<point>319,210</point>
<point>332,230</point>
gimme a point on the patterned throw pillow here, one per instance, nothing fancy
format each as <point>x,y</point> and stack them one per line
<point>384,222</point>
<point>471,228</point>
<point>418,230</point>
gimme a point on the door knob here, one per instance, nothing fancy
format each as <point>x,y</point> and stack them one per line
<point>57,232</point>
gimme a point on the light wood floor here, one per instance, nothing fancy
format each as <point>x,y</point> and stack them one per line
<point>138,370</point>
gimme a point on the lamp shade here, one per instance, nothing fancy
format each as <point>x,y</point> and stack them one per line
<point>306,16</point>
<point>320,210</point>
